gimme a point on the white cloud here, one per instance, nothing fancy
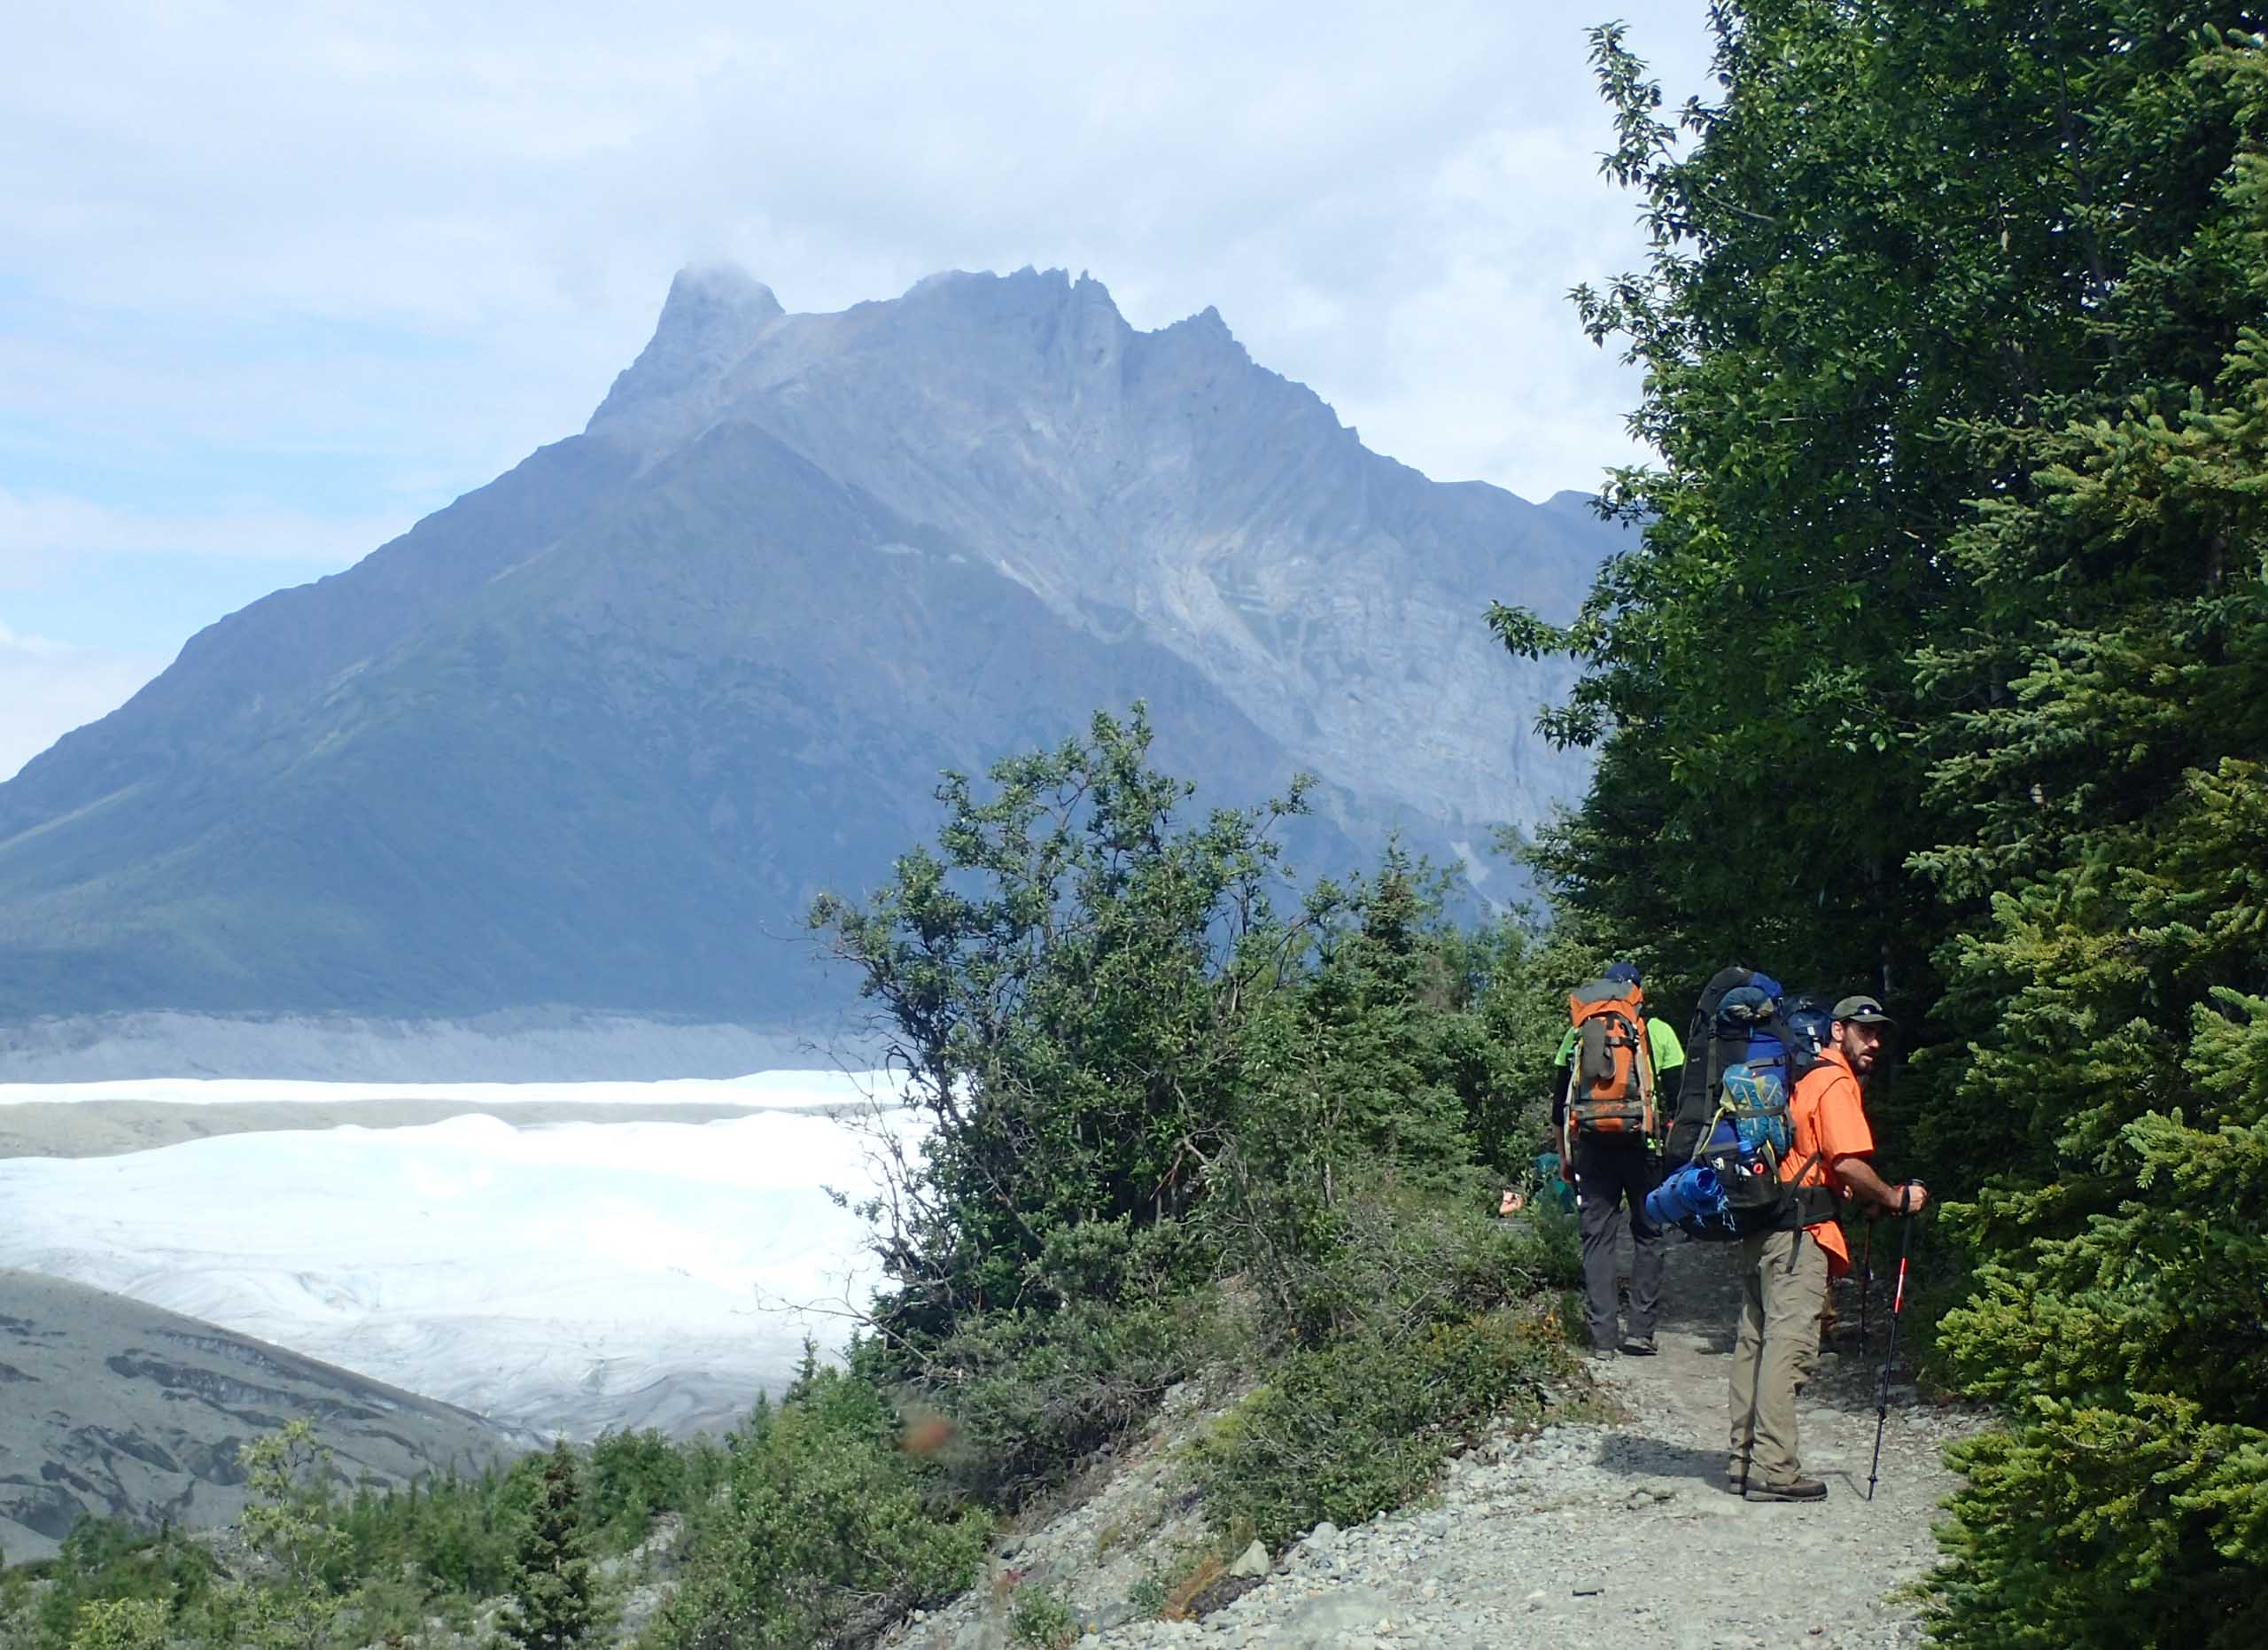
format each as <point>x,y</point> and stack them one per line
<point>47,689</point>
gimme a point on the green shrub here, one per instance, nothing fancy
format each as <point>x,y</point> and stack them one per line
<point>1390,1259</point>
<point>634,1476</point>
<point>1343,1431</point>
<point>1032,1395</point>
<point>120,1624</point>
<point>1040,1620</point>
<point>828,1531</point>
<point>1557,1233</point>
<point>109,1560</point>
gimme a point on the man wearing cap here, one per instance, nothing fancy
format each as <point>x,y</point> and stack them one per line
<point>1784,1274</point>
<point>1605,1172</point>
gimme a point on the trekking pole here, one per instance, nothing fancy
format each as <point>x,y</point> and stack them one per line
<point>1897,1310</point>
<point>1867,1289</point>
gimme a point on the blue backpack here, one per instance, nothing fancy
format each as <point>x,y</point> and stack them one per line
<point>1737,1007</point>
<point>1808,1018</point>
<point>1734,1131</point>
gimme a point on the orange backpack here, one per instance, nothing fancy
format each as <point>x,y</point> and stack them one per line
<point>1611,1080</point>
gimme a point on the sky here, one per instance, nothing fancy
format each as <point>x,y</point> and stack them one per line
<point>276,280</point>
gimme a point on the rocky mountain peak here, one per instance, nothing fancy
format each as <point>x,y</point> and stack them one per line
<point>711,319</point>
<point>594,735</point>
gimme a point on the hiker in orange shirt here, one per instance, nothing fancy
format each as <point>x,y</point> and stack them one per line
<point>1784,1274</point>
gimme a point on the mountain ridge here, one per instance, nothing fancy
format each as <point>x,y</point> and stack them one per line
<point>592,735</point>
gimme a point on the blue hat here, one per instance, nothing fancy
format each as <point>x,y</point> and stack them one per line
<point>1626,972</point>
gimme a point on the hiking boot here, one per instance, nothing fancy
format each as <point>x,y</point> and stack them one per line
<point>1635,1348</point>
<point>1794,1489</point>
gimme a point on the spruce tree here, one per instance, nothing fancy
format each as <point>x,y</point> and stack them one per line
<point>553,1606</point>
<point>1944,662</point>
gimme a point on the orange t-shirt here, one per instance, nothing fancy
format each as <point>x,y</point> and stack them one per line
<point>1831,1118</point>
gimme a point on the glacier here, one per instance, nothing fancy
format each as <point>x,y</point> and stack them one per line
<point>568,1276</point>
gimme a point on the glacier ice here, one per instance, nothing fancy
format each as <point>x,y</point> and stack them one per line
<point>570,1276</point>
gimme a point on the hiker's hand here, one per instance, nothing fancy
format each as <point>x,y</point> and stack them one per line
<point>1915,1198</point>
<point>1567,1171</point>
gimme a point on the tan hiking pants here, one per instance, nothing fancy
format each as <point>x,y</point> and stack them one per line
<point>1783,1285</point>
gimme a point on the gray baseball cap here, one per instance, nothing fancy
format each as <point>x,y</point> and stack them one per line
<point>1861,1011</point>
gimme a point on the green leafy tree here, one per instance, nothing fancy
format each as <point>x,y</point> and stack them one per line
<point>1525,974</point>
<point>1941,665</point>
<point>636,1476</point>
<point>2118,817</point>
<point>1386,1003</point>
<point>294,1604</point>
<point>121,1624</point>
<point>553,1605</point>
<point>1063,981</point>
<point>1889,243</point>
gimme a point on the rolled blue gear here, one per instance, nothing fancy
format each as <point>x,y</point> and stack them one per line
<point>1694,1196</point>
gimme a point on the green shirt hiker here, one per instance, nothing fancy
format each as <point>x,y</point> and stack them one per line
<point>1609,1171</point>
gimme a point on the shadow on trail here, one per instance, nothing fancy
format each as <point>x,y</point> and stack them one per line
<point>1633,1456</point>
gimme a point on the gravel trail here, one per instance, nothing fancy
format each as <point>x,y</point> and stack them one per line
<point>1626,1536</point>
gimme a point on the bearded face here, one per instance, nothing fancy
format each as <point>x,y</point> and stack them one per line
<point>1859,1044</point>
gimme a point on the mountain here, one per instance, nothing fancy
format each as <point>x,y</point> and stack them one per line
<point>121,1410</point>
<point>594,734</point>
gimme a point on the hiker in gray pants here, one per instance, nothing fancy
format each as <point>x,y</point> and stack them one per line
<point>1606,1172</point>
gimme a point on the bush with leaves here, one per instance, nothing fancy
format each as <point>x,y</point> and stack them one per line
<point>1427,1319</point>
<point>1359,1425</point>
<point>1063,984</point>
<point>829,1529</point>
<point>1150,1068</point>
<point>1040,1620</point>
<point>121,1624</point>
<point>1033,1395</point>
<point>635,1476</point>
<point>293,1602</point>
<point>107,1561</point>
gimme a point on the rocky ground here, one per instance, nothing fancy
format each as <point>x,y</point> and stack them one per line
<point>117,1409</point>
<point>1618,1533</point>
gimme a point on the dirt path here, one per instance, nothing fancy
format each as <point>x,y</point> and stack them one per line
<point>1626,1535</point>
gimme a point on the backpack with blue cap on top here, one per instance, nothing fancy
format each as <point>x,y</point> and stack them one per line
<point>1808,1017</point>
<point>1733,1133</point>
<point>1737,1007</point>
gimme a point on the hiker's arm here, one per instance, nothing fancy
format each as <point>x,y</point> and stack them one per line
<point>1562,1080</point>
<point>1668,1056</point>
<point>1857,1173</point>
<point>1562,1063</point>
